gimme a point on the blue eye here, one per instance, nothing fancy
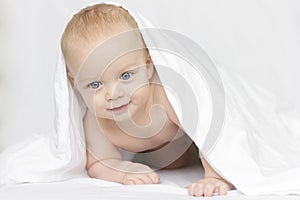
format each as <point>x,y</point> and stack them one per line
<point>126,75</point>
<point>95,84</point>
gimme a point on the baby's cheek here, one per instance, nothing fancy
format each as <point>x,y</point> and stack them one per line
<point>99,105</point>
<point>140,95</point>
<point>90,101</point>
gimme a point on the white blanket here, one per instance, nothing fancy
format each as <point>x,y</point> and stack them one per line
<point>171,187</point>
<point>247,135</point>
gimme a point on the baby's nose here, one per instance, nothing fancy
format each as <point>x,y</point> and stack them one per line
<point>114,93</point>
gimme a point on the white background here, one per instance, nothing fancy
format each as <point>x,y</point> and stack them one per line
<point>259,39</point>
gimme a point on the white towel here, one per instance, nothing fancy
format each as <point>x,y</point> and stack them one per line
<point>247,135</point>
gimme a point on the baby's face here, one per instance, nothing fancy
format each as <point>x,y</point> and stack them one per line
<point>113,78</point>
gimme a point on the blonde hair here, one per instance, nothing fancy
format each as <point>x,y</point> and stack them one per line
<point>89,23</point>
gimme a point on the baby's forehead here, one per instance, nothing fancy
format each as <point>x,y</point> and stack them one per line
<point>106,49</point>
<point>98,68</point>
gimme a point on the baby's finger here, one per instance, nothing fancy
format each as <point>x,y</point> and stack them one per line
<point>129,182</point>
<point>191,189</point>
<point>145,179</point>
<point>223,190</point>
<point>138,181</point>
<point>208,189</point>
<point>198,189</point>
<point>154,177</point>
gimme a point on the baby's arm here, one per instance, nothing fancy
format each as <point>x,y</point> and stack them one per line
<point>211,183</point>
<point>119,171</point>
<point>105,162</point>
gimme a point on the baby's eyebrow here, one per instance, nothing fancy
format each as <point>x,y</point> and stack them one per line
<point>127,67</point>
<point>88,79</point>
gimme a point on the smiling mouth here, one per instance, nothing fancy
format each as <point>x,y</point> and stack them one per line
<point>119,108</point>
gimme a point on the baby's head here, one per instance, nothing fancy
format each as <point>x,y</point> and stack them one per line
<point>107,60</point>
<point>91,26</point>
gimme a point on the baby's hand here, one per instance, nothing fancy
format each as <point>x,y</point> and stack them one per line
<point>207,186</point>
<point>140,174</point>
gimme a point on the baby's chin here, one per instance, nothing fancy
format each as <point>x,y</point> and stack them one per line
<point>116,116</point>
<point>121,117</point>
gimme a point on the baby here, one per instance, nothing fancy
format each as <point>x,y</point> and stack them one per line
<point>128,110</point>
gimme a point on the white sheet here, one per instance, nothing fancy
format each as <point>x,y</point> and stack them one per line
<point>85,188</point>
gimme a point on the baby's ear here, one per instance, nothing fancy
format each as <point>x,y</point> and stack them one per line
<point>150,66</point>
<point>70,77</point>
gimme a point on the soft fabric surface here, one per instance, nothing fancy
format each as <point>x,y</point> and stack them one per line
<point>94,189</point>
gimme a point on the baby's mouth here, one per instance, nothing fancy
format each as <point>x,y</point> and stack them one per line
<point>119,108</point>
